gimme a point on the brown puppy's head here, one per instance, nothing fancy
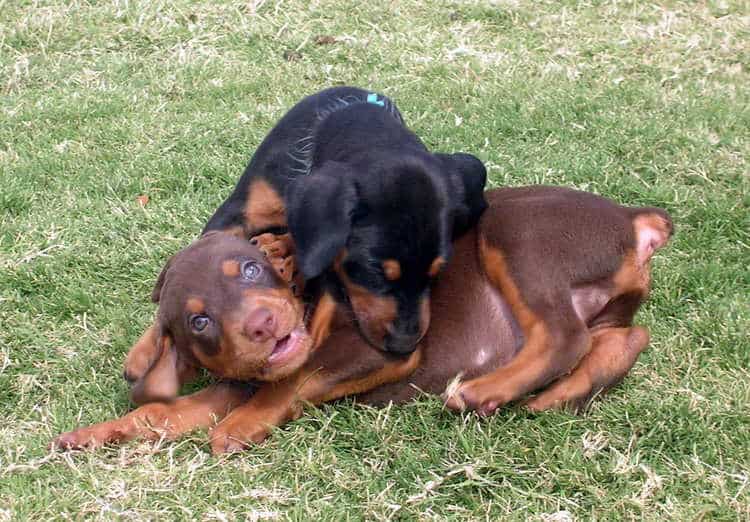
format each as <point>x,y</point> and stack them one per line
<point>223,307</point>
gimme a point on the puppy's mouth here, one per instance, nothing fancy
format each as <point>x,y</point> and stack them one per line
<point>287,347</point>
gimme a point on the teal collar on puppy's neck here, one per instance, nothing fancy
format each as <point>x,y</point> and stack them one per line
<point>373,98</point>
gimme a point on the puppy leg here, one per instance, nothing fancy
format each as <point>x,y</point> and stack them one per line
<point>346,366</point>
<point>141,356</point>
<point>613,353</point>
<point>160,419</point>
<point>555,339</point>
<point>549,351</point>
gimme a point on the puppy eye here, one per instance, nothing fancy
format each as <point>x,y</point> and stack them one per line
<point>199,322</point>
<point>251,270</point>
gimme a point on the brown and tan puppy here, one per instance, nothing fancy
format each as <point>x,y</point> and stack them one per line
<point>224,307</point>
<point>541,293</point>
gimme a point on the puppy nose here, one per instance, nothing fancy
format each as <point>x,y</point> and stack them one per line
<point>260,325</point>
<point>401,344</point>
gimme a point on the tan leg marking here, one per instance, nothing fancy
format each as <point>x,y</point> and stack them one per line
<point>612,355</point>
<point>542,357</point>
<point>159,419</point>
<point>277,403</point>
<point>322,319</point>
<point>142,355</point>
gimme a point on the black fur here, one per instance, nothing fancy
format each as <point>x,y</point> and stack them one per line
<point>353,177</point>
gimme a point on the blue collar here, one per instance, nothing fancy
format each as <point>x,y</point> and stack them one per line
<point>373,98</point>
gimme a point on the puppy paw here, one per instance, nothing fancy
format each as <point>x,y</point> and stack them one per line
<point>285,267</point>
<point>463,396</point>
<point>151,421</point>
<point>273,245</point>
<point>572,392</point>
<point>279,250</point>
<point>90,437</point>
<point>237,434</point>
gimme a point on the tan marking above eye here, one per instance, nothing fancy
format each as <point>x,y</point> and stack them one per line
<point>230,268</point>
<point>195,305</point>
<point>392,269</point>
<point>436,266</point>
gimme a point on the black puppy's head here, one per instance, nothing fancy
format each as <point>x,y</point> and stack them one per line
<point>385,235</point>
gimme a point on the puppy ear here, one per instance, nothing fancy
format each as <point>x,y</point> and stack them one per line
<point>319,210</point>
<point>166,374</point>
<point>156,292</point>
<point>467,177</point>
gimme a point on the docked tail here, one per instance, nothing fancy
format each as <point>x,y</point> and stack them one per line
<point>653,228</point>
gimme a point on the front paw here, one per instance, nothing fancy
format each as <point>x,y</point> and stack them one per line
<point>151,421</point>
<point>90,437</point>
<point>285,267</point>
<point>237,434</point>
<point>279,250</point>
<point>274,245</point>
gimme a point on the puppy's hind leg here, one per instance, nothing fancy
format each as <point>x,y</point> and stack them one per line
<point>613,353</point>
<point>555,341</point>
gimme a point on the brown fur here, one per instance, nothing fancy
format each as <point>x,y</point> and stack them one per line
<point>161,419</point>
<point>322,319</point>
<point>613,353</point>
<point>543,291</point>
<point>279,402</point>
<point>567,264</point>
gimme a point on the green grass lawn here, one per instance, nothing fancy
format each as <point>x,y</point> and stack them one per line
<point>104,101</point>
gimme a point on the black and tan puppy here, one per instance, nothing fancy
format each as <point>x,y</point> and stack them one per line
<point>350,180</point>
<point>541,293</point>
<point>371,211</point>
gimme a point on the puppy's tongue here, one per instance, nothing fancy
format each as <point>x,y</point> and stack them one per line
<point>283,348</point>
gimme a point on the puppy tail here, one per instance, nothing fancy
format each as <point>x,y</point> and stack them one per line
<point>659,217</point>
<point>653,228</point>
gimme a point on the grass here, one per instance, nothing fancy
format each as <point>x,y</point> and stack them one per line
<point>105,101</point>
